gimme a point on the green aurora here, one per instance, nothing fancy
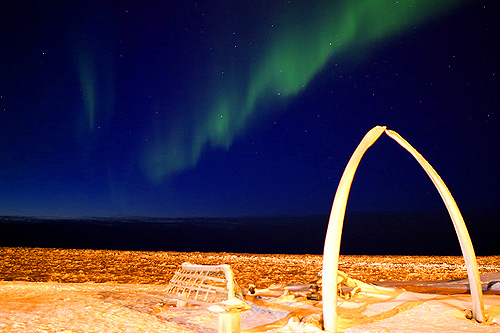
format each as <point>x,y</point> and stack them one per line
<point>95,67</point>
<point>87,82</point>
<point>300,46</point>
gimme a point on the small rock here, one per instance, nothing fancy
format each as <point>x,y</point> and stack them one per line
<point>494,285</point>
<point>314,320</point>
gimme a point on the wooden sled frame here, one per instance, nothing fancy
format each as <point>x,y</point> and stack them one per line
<point>202,284</point>
<point>334,233</point>
<point>213,286</point>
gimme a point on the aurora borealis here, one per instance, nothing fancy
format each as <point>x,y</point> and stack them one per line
<point>233,108</point>
<point>304,41</point>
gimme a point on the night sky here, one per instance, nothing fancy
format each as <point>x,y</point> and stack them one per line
<point>232,108</point>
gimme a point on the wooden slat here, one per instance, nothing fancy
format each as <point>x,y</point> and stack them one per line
<point>212,289</point>
<point>201,285</point>
<point>205,277</point>
<point>189,300</point>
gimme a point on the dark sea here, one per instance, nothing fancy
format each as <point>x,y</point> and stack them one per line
<point>363,234</point>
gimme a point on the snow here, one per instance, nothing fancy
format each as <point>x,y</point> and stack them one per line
<point>83,307</point>
<point>111,307</point>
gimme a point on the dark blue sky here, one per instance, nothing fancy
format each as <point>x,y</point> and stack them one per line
<point>227,108</point>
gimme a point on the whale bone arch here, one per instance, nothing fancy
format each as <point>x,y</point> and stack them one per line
<point>334,232</point>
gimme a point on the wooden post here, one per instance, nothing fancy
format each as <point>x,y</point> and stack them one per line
<point>230,314</point>
<point>230,322</point>
<point>180,304</point>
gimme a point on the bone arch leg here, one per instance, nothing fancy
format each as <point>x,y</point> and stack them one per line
<point>334,232</point>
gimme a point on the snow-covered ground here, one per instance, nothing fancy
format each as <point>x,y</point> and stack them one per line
<point>111,307</point>
<point>85,291</point>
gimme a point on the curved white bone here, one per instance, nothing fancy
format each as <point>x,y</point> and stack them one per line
<point>334,233</point>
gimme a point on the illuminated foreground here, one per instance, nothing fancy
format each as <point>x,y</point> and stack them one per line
<point>111,307</point>
<point>89,291</point>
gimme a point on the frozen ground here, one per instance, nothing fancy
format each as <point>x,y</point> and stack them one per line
<point>110,307</point>
<point>262,270</point>
<point>85,291</point>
